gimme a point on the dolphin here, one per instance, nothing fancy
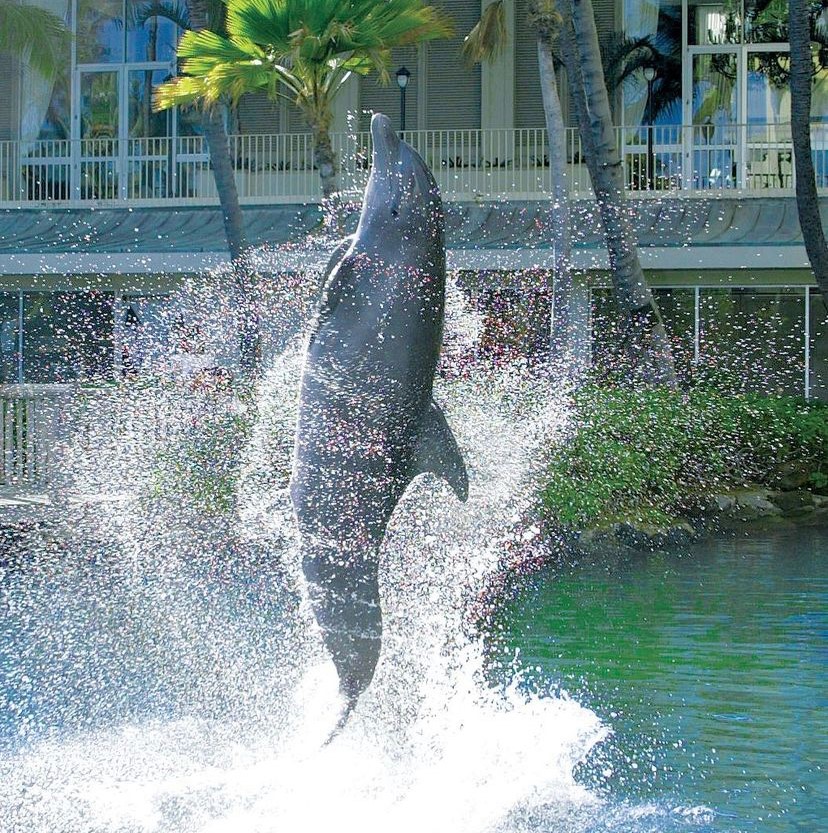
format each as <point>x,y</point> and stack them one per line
<point>368,424</point>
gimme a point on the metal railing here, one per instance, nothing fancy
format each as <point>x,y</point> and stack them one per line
<point>29,431</point>
<point>468,164</point>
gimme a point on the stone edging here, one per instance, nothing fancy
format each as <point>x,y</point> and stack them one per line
<point>729,510</point>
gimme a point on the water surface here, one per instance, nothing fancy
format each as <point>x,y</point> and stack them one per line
<point>709,666</point>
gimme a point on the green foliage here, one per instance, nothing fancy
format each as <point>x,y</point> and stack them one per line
<point>198,466</point>
<point>35,33</point>
<point>488,37</point>
<point>648,453</point>
<point>303,50</point>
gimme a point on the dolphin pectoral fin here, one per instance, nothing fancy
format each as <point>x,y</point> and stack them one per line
<point>438,453</point>
<point>336,255</point>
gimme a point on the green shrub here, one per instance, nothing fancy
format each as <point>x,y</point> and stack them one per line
<point>198,465</point>
<point>647,454</point>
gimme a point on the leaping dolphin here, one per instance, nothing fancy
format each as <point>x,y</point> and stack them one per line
<point>367,422</point>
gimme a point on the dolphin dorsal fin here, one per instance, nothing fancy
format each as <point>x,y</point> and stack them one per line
<point>437,452</point>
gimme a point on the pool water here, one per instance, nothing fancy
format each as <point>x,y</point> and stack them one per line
<point>710,668</point>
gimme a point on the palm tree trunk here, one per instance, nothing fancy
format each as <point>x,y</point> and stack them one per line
<point>566,341</point>
<point>646,339</point>
<point>807,201</point>
<point>218,146</point>
<point>324,158</point>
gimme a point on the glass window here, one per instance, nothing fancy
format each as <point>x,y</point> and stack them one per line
<point>766,21</point>
<point>660,24</point>
<point>67,336</point>
<point>100,32</point>
<point>143,122</point>
<point>606,329</point>
<point>678,310</point>
<point>819,99</point>
<point>754,339</point>
<point>819,346</point>
<point>99,105</point>
<point>9,337</point>
<point>714,89</point>
<point>150,37</point>
<point>715,133</point>
<point>714,22</point>
<point>55,123</point>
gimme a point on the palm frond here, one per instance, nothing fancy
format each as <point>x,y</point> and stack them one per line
<point>301,49</point>
<point>178,91</point>
<point>35,34</point>
<point>544,17</point>
<point>489,36</point>
<point>174,10</point>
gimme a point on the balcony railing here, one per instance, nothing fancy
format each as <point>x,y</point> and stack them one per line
<point>468,165</point>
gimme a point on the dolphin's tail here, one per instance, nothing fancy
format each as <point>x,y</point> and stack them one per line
<point>347,709</point>
<point>344,594</point>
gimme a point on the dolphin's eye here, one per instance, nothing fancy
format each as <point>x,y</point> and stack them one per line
<point>394,212</point>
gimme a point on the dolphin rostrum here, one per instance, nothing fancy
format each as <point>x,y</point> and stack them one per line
<point>367,422</point>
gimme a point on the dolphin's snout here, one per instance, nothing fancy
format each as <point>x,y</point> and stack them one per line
<point>386,142</point>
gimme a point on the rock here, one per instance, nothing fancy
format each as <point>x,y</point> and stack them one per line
<point>792,476</point>
<point>794,503</point>
<point>648,538</point>
<point>752,505</point>
<point>798,502</point>
<point>721,503</point>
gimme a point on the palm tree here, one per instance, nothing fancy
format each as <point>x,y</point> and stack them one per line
<point>301,50</point>
<point>645,337</point>
<point>802,20</point>
<point>37,33</point>
<point>484,42</point>
<point>209,15</point>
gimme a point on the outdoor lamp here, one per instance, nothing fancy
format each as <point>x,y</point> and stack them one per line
<point>649,73</point>
<point>402,77</point>
<point>402,82</point>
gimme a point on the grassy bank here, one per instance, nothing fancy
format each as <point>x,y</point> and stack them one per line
<point>648,456</point>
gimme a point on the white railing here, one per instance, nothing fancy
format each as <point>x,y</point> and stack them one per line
<point>30,419</point>
<point>468,164</point>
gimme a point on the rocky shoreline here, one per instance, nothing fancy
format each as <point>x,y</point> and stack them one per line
<point>726,512</point>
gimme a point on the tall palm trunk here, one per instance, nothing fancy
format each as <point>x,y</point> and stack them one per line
<point>218,146</point>
<point>566,339</point>
<point>645,337</point>
<point>325,160</point>
<point>807,201</point>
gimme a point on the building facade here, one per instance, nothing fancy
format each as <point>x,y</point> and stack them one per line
<point>88,174</point>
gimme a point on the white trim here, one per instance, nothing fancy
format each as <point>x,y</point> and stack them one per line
<point>696,324</point>
<point>807,342</point>
<point>701,258</point>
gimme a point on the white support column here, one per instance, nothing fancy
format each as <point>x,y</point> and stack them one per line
<point>581,323</point>
<point>807,342</point>
<point>497,79</point>
<point>20,336</point>
<point>696,324</point>
<point>346,107</point>
<point>118,310</point>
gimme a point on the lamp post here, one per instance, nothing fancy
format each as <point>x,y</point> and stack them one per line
<point>649,77</point>
<point>402,82</point>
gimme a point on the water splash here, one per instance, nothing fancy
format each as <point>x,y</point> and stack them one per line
<point>162,671</point>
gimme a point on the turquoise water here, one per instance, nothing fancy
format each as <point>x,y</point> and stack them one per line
<point>709,667</point>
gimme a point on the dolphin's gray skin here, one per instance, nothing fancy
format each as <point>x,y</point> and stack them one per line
<point>367,422</point>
